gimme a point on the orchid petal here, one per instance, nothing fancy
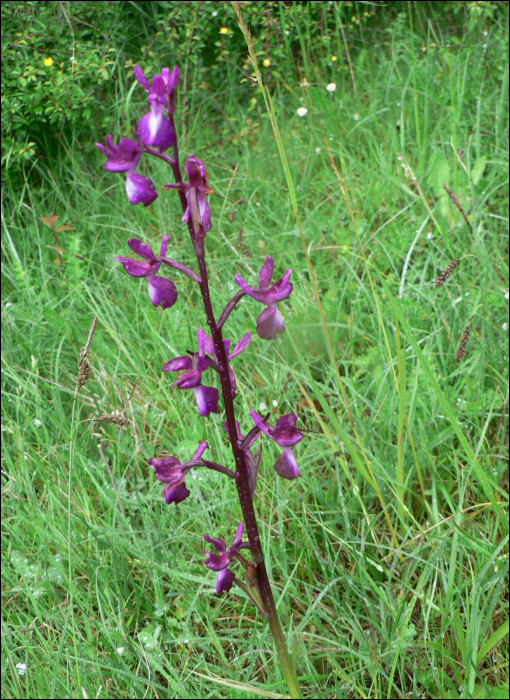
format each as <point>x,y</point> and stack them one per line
<point>266,273</point>
<point>121,158</point>
<point>187,380</point>
<point>286,465</point>
<point>165,467</point>
<point>218,543</point>
<point>140,189</point>
<point>205,344</point>
<point>140,76</point>
<point>200,449</point>
<point>140,248</point>
<point>164,245</point>
<point>154,129</point>
<point>270,322</point>
<point>162,292</point>
<point>206,398</point>
<point>176,363</point>
<point>238,537</point>
<point>285,432</point>
<point>260,423</point>
<point>224,581</point>
<point>241,345</point>
<point>177,494</point>
<point>135,268</point>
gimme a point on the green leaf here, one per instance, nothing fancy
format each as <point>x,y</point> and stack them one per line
<point>498,635</point>
<point>477,170</point>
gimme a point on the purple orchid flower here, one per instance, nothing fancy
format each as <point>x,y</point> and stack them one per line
<point>195,189</point>
<point>252,462</point>
<point>154,129</point>
<point>162,291</point>
<point>270,321</point>
<point>206,397</point>
<point>286,435</point>
<point>219,562</point>
<point>173,473</point>
<point>124,159</point>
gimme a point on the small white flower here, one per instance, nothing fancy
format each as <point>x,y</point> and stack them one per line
<point>506,295</point>
<point>262,406</point>
<point>120,650</point>
<point>430,236</point>
<point>215,13</point>
<point>37,423</point>
<point>505,326</point>
<point>318,149</point>
<point>301,111</point>
<point>331,87</point>
<point>21,669</point>
<point>275,403</point>
<point>355,117</point>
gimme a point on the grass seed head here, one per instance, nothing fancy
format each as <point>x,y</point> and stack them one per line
<point>443,276</point>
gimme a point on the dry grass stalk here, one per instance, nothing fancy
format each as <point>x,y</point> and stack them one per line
<point>83,365</point>
<point>461,350</point>
<point>443,276</point>
<point>408,171</point>
<point>117,418</point>
<point>240,245</point>
<point>456,202</point>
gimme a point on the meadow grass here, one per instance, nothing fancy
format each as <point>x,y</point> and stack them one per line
<point>389,555</point>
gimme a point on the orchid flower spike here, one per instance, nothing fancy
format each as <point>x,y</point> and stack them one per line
<point>173,473</point>
<point>162,291</point>
<point>270,321</point>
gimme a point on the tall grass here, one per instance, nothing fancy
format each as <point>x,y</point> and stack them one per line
<point>390,554</point>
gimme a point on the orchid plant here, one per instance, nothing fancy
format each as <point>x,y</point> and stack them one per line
<point>155,134</point>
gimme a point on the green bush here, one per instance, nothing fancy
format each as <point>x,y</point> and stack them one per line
<point>54,69</point>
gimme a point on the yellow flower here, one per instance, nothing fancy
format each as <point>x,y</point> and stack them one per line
<point>48,61</point>
<point>223,30</point>
<point>266,62</point>
<point>333,57</point>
